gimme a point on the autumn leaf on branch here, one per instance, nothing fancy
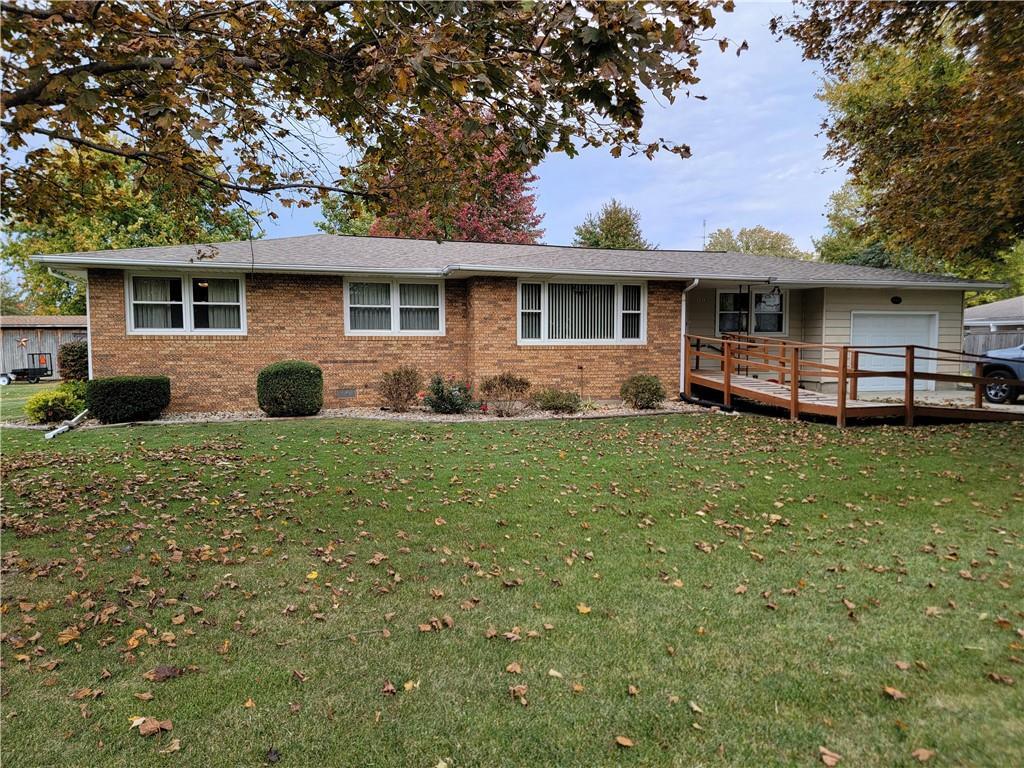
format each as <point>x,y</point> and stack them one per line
<point>250,86</point>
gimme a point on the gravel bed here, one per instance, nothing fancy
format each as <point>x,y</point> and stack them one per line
<point>595,411</point>
<point>599,411</point>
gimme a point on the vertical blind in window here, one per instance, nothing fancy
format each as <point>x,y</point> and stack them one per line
<point>419,307</point>
<point>584,312</point>
<point>157,303</point>
<point>370,306</point>
<point>216,303</point>
<point>530,310</point>
<point>581,311</point>
<point>631,298</point>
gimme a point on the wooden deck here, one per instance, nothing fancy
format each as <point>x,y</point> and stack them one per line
<point>784,364</point>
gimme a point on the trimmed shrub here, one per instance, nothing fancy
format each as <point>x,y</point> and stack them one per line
<point>290,388</point>
<point>54,405</point>
<point>73,361</point>
<point>127,398</point>
<point>558,401</point>
<point>642,391</point>
<point>448,396</point>
<point>506,392</point>
<point>399,388</point>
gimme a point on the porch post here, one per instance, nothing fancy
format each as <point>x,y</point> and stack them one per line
<point>908,387</point>
<point>978,386</point>
<point>794,383</point>
<point>727,373</point>
<point>841,394</point>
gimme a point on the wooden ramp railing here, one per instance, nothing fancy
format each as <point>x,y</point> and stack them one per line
<point>734,357</point>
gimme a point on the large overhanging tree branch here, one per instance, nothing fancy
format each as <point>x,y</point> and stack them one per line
<point>255,83</point>
<point>926,109</point>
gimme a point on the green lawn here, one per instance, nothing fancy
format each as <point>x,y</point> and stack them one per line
<point>13,397</point>
<point>777,576</point>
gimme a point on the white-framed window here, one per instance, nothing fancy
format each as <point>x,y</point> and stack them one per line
<point>375,307</point>
<point>759,311</point>
<point>184,303</point>
<point>581,312</point>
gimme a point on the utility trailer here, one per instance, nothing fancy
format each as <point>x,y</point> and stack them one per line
<point>40,366</point>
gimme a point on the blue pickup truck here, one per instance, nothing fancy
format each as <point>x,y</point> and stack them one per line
<point>1005,364</point>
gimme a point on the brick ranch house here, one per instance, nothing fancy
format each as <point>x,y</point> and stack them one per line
<point>211,316</point>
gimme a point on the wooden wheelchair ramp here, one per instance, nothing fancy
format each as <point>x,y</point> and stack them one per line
<point>727,366</point>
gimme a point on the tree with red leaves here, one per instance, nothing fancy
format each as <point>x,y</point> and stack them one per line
<point>486,200</point>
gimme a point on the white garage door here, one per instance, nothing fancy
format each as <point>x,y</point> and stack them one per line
<point>897,329</point>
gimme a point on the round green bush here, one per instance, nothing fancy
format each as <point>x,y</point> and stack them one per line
<point>73,361</point>
<point>53,405</point>
<point>290,388</point>
<point>558,401</point>
<point>118,399</point>
<point>642,391</point>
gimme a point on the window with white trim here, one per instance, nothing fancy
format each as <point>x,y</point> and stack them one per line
<point>761,311</point>
<point>582,312</point>
<point>385,307</point>
<point>185,303</point>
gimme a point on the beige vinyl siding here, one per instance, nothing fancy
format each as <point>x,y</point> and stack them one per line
<point>840,303</point>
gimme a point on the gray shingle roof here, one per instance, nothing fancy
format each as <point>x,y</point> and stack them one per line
<point>43,321</point>
<point>1006,311</point>
<point>333,253</point>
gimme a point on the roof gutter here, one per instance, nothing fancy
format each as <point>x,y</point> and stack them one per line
<point>245,266</point>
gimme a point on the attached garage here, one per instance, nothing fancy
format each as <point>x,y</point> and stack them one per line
<point>893,331</point>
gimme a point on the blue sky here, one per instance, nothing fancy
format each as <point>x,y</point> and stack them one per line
<point>757,158</point>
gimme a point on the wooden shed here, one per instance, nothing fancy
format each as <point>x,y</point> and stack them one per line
<point>21,335</point>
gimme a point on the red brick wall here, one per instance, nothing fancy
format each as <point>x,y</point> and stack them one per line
<point>290,317</point>
<point>302,317</point>
<point>596,371</point>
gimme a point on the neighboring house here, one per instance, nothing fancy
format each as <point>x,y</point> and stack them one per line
<point>994,326</point>
<point>211,317</point>
<point>23,335</point>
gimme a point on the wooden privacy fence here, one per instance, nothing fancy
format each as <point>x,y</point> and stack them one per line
<point>788,363</point>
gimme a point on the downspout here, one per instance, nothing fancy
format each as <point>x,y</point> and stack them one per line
<point>682,336</point>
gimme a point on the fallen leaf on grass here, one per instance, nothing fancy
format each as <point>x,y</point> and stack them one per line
<point>85,693</point>
<point>695,707</point>
<point>150,726</point>
<point>902,665</point>
<point>144,696</point>
<point>389,688</point>
<point>922,755</point>
<point>554,673</point>
<point>624,741</point>
<point>411,685</point>
<point>583,608</point>
<point>300,676</point>
<point>65,636</point>
<point>312,575</point>
<point>273,755</point>
<point>514,668</point>
<point>174,746</point>
<point>894,693</point>
<point>518,693</point>
<point>995,677</point>
<point>249,703</point>
<point>828,757</point>
<point>161,673</point>
<point>741,589</point>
